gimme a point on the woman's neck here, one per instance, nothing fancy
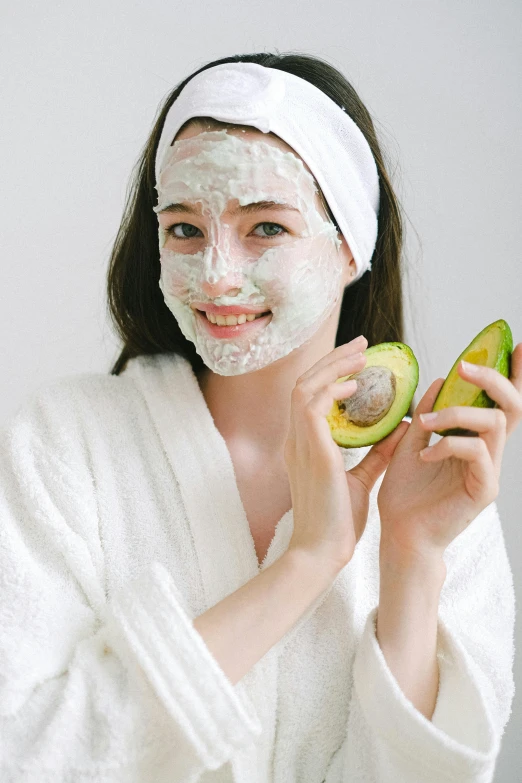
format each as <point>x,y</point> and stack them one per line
<point>254,408</point>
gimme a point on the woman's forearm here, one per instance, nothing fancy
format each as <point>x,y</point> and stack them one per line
<point>407,620</point>
<point>242,627</point>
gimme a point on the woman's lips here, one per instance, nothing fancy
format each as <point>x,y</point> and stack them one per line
<point>232,331</point>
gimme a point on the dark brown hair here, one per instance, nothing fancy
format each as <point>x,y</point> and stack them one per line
<point>372,306</point>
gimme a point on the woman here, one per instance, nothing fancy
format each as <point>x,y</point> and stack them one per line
<point>198,584</point>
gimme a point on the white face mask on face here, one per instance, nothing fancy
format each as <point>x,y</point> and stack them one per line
<point>297,277</point>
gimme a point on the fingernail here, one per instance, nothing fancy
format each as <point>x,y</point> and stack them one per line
<point>427,417</point>
<point>471,368</point>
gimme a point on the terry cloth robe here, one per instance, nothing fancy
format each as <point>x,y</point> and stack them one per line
<point>120,522</point>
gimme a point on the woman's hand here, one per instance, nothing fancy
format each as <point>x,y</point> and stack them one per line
<point>330,505</point>
<point>428,497</point>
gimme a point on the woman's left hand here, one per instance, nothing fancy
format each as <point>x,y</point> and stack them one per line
<point>426,500</point>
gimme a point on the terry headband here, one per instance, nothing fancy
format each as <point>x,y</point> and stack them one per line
<point>322,133</point>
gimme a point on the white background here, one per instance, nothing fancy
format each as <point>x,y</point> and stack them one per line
<point>82,82</point>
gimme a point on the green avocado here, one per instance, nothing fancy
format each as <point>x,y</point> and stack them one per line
<point>492,347</point>
<point>385,389</point>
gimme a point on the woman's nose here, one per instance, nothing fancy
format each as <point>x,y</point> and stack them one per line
<point>229,284</point>
<point>219,277</point>
<point>225,285</point>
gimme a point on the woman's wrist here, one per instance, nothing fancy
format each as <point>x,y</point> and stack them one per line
<point>404,560</point>
<point>318,566</point>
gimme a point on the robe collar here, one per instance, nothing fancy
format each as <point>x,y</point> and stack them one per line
<point>203,468</point>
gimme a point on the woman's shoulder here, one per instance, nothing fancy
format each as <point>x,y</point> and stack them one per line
<point>62,416</point>
<point>81,407</point>
<point>67,396</point>
<point>74,394</point>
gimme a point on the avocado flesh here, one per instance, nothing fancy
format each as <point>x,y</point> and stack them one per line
<point>400,359</point>
<point>492,347</point>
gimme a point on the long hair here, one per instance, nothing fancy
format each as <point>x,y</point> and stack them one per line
<point>372,306</point>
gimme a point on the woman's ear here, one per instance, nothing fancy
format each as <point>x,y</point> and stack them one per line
<point>349,265</point>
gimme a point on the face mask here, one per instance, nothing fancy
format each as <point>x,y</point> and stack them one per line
<point>296,277</point>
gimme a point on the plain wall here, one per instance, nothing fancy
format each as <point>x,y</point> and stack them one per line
<point>82,82</point>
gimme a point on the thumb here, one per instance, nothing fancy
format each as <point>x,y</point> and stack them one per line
<point>418,437</point>
<point>376,461</point>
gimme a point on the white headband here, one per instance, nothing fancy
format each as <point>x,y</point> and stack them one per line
<point>322,133</point>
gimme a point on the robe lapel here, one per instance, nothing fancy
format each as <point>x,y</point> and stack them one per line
<point>204,470</point>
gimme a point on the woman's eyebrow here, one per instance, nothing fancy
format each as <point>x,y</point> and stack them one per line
<point>255,206</point>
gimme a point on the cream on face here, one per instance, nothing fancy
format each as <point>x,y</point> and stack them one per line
<point>296,275</point>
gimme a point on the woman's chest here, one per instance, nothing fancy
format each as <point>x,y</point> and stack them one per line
<point>265,494</point>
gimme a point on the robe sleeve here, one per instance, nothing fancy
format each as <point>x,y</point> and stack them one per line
<point>94,689</point>
<point>386,734</point>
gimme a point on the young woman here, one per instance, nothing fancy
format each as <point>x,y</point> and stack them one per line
<point>198,584</point>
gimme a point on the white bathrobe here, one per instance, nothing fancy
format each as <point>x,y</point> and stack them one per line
<point>120,522</point>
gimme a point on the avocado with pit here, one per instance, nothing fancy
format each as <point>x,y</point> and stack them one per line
<point>385,389</point>
<point>492,347</point>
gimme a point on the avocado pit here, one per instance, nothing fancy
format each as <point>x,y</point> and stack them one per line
<point>376,388</point>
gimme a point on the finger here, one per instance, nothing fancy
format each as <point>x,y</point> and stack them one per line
<point>376,461</point>
<point>313,416</point>
<point>417,436</point>
<point>348,349</point>
<point>314,437</point>
<point>500,389</point>
<point>489,423</point>
<point>312,426</point>
<point>516,368</point>
<point>474,451</point>
<point>321,403</point>
<point>388,444</point>
<point>322,379</point>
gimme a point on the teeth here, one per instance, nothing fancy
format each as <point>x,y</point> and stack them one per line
<point>231,320</point>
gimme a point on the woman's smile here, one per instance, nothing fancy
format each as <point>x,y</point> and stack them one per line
<point>251,322</point>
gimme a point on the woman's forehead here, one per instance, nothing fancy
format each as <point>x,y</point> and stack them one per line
<point>204,159</point>
<point>245,132</point>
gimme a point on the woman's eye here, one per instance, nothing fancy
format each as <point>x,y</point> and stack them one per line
<point>183,226</point>
<point>271,227</point>
<point>188,231</point>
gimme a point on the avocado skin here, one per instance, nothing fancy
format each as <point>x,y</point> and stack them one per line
<point>503,365</point>
<point>387,425</point>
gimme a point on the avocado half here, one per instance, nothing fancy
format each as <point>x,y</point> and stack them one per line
<point>492,347</point>
<point>383,396</point>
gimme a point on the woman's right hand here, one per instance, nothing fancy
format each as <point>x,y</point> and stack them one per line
<point>330,505</point>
